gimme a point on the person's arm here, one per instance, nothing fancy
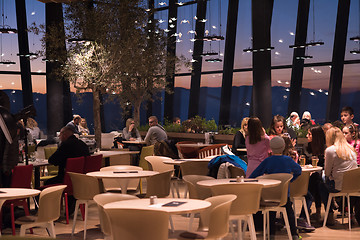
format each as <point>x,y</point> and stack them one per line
<point>296,170</point>
<point>138,136</point>
<point>329,161</point>
<point>260,170</point>
<point>126,134</point>
<point>148,136</point>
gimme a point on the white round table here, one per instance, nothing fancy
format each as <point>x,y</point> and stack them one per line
<point>189,205</point>
<point>265,182</point>
<point>123,176</point>
<point>16,193</point>
<point>310,168</point>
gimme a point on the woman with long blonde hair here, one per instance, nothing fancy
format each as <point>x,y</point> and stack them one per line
<point>239,139</point>
<point>340,157</point>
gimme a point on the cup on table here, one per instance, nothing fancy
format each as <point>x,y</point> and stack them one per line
<point>314,161</point>
<point>302,160</point>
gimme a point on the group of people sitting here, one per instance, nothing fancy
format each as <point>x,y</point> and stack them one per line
<point>79,125</point>
<point>337,148</point>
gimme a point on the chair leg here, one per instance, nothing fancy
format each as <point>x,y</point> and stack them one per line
<point>306,210</point>
<point>286,220</point>
<point>51,228</point>
<point>171,224</point>
<point>12,219</point>
<point>231,224</point>
<point>343,210</point>
<point>75,216</point>
<point>66,208</point>
<point>82,210</point>
<point>264,225</point>
<point>86,216</point>
<point>22,230</point>
<point>27,213</point>
<point>251,227</point>
<point>327,209</point>
<point>240,230</point>
<point>349,217</point>
<point>294,209</point>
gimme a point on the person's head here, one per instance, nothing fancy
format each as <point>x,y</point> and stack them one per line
<point>176,120</point>
<point>277,126</point>
<point>334,136</point>
<point>350,132</point>
<point>338,124</point>
<point>326,127</point>
<point>294,116</point>
<point>316,137</point>
<point>76,119</point>
<point>31,123</point>
<point>277,145</point>
<point>153,121</point>
<point>289,148</point>
<point>130,122</point>
<point>306,115</point>
<point>83,123</point>
<point>255,130</point>
<point>347,115</point>
<point>65,133</point>
<point>244,126</point>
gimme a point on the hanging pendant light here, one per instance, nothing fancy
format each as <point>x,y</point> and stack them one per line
<point>5,29</point>
<point>357,38</point>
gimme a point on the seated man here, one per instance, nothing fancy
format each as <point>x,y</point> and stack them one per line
<point>156,132</point>
<point>70,147</point>
<point>74,124</point>
<point>279,163</point>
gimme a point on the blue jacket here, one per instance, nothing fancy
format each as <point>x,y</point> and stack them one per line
<point>215,163</point>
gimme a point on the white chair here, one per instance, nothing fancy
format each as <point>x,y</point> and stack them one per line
<point>101,200</point>
<point>273,199</point>
<point>49,211</point>
<point>350,187</point>
<point>84,189</point>
<point>298,190</point>
<point>156,164</point>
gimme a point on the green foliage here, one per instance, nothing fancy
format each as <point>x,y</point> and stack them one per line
<point>144,128</point>
<point>228,131</point>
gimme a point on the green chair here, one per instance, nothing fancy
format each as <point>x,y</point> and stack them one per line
<point>52,170</point>
<point>145,151</point>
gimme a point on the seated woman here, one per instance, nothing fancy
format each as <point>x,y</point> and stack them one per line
<point>351,134</point>
<point>339,157</point>
<point>239,139</point>
<point>130,132</point>
<point>307,115</point>
<point>83,128</point>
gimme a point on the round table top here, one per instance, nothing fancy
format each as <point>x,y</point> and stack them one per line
<point>310,168</point>
<point>122,174</point>
<point>200,145</point>
<point>189,205</point>
<point>265,182</point>
<point>14,193</point>
<point>134,142</point>
<point>179,161</point>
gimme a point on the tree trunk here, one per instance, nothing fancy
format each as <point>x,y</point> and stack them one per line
<point>97,119</point>
<point>137,112</point>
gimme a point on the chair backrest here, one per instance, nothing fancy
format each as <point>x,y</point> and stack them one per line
<point>185,151</point>
<point>299,187</point>
<point>49,203</point>
<point>248,196</point>
<point>280,192</point>
<point>236,171</point>
<point>75,165</point>
<point>194,168</point>
<point>113,184</point>
<point>159,184</point>
<point>125,224</point>
<point>145,151</point>
<point>49,151</point>
<point>104,198</point>
<point>351,181</point>
<point>213,150</point>
<point>156,163</point>
<point>93,163</point>
<point>21,176</point>
<point>217,216</point>
<point>84,187</point>
<point>196,191</point>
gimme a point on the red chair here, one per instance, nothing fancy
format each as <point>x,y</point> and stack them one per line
<point>21,178</point>
<point>93,163</point>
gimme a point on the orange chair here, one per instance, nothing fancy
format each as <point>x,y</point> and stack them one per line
<point>213,150</point>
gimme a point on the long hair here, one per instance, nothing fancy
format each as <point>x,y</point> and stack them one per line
<point>255,130</point>
<point>243,123</point>
<point>31,123</point>
<point>276,119</point>
<point>353,132</point>
<point>318,140</point>
<point>345,151</point>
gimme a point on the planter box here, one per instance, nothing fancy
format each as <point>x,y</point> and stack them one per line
<point>197,137</point>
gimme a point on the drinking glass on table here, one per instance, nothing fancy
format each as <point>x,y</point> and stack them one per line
<point>314,161</point>
<point>302,160</point>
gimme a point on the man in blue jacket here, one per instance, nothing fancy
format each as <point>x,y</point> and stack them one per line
<point>279,163</point>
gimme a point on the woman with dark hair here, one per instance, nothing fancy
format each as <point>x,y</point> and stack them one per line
<point>278,126</point>
<point>316,147</point>
<point>257,144</point>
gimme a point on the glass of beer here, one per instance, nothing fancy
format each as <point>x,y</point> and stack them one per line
<point>314,161</point>
<point>302,160</point>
